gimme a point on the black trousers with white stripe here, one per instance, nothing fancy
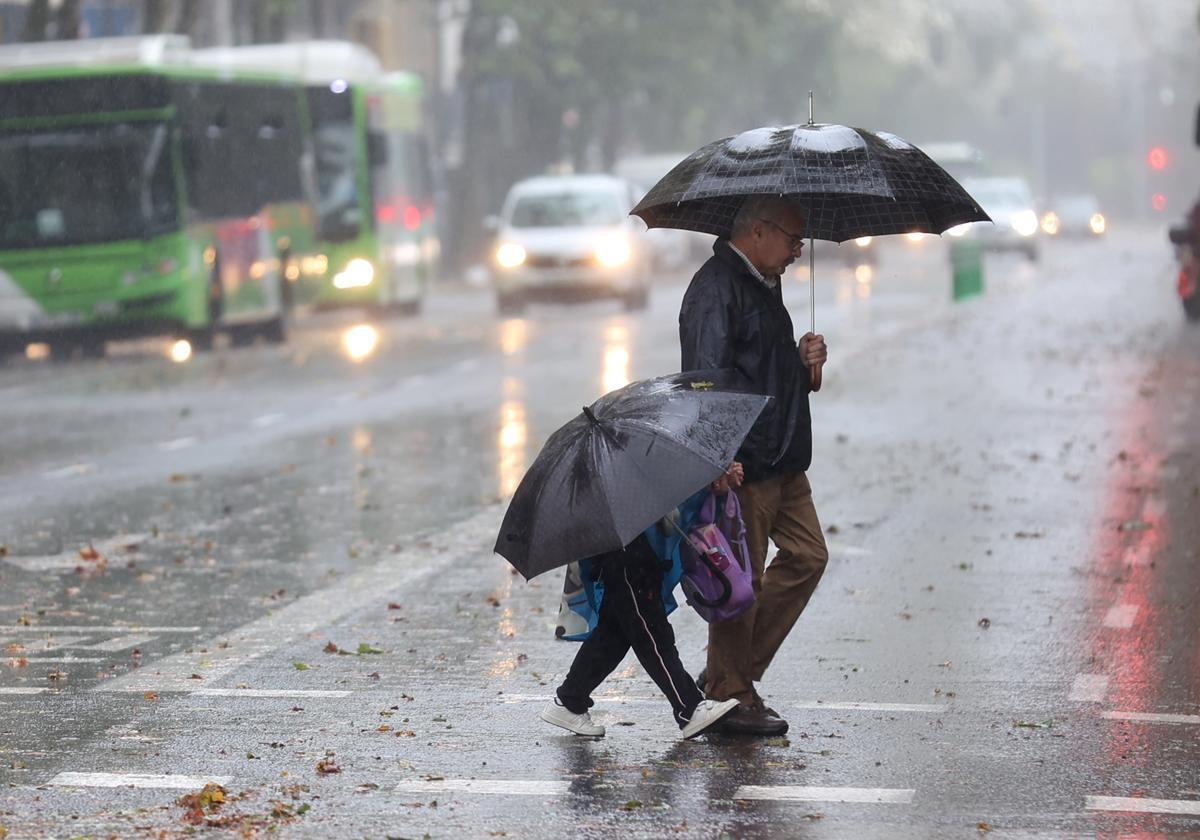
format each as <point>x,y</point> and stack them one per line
<point>631,616</point>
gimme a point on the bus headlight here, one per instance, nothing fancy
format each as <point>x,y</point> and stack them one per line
<point>959,230</point>
<point>614,252</point>
<point>510,255</point>
<point>1097,223</point>
<point>863,241</point>
<point>358,273</point>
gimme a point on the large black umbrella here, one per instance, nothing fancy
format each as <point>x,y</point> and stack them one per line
<point>851,182</point>
<point>623,463</point>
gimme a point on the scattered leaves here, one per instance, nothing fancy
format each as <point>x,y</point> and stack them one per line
<point>198,805</point>
<point>365,648</point>
<point>326,766</point>
<point>299,666</point>
<point>330,647</point>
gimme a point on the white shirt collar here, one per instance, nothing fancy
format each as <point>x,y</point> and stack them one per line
<point>769,282</point>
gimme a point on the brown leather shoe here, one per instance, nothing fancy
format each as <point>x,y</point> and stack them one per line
<point>760,706</point>
<point>746,720</point>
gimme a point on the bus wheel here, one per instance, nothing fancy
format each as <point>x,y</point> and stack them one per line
<point>202,338</point>
<point>275,330</point>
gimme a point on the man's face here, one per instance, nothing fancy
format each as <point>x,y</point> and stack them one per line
<point>780,240</point>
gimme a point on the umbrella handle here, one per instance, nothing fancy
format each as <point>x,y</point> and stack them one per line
<point>814,374</point>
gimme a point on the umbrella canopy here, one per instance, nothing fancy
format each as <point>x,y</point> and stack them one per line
<point>623,464</point>
<point>851,182</point>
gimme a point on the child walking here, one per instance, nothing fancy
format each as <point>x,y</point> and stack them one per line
<point>637,584</point>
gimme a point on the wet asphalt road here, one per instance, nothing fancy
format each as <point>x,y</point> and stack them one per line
<point>297,569</point>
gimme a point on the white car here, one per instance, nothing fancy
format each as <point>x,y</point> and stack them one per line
<point>1009,202</point>
<point>569,237</point>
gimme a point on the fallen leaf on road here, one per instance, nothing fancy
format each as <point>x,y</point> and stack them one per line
<point>330,648</point>
<point>1028,724</point>
<point>150,695</point>
<point>299,666</point>
<point>983,827</point>
<point>985,623</point>
<point>364,648</point>
<point>197,805</point>
<point>392,605</point>
<point>195,677</point>
<point>326,766</point>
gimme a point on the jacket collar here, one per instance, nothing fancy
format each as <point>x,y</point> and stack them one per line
<point>734,260</point>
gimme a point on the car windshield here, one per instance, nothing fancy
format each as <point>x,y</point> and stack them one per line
<point>81,185</point>
<point>567,209</point>
<point>999,193</point>
<point>1078,205</point>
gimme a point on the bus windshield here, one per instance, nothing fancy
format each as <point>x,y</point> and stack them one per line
<point>335,145</point>
<point>85,184</point>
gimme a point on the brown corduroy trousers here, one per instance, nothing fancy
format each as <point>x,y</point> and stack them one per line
<point>740,649</point>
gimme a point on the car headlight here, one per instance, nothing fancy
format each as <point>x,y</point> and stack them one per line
<point>358,273</point>
<point>914,236</point>
<point>1098,223</point>
<point>863,241</point>
<point>1025,223</point>
<point>960,230</point>
<point>613,252</point>
<point>510,255</point>
<point>1051,223</point>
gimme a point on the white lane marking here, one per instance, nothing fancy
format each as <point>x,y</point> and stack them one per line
<point>922,708</point>
<point>84,628</point>
<point>1152,717</point>
<point>67,472</point>
<point>54,643</point>
<point>1154,509</point>
<point>1089,688</point>
<point>503,787</point>
<point>846,550</point>
<point>177,443</point>
<point>265,692</point>
<point>119,643</point>
<point>796,793</point>
<point>1143,805</point>
<point>926,708</point>
<point>71,559</point>
<point>4,690</point>
<point>264,420</point>
<point>1121,617</point>
<point>369,587</point>
<point>137,780</point>
<point>1138,554</point>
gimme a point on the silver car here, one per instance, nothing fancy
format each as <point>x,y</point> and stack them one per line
<point>566,238</point>
<point>1009,202</point>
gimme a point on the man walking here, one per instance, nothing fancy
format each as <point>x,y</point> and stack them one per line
<point>733,316</point>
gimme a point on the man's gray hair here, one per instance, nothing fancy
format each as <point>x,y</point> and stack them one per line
<point>759,207</point>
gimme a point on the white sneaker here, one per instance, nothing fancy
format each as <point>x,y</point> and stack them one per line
<point>559,715</point>
<point>706,714</point>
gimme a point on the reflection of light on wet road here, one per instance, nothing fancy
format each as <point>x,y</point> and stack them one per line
<point>360,341</point>
<point>512,440</point>
<point>514,335</point>
<point>616,358</point>
<point>864,274</point>
<point>361,440</point>
<point>181,351</point>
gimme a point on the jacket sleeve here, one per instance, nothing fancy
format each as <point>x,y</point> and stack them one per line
<point>705,329</point>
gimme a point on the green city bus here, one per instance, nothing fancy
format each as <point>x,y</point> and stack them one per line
<point>375,220</point>
<point>142,196</point>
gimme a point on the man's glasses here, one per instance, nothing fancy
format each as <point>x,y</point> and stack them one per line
<point>794,240</point>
